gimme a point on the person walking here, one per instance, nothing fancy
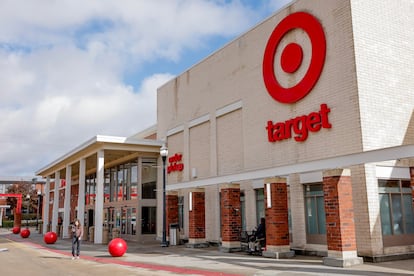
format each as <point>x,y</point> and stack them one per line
<point>77,233</point>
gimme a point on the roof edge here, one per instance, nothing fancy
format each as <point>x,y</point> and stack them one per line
<point>101,139</point>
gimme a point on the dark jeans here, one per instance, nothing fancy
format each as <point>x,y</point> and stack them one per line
<point>75,241</point>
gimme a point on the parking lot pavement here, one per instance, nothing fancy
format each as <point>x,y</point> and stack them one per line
<point>209,261</point>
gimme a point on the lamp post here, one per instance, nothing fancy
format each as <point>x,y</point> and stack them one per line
<point>27,210</point>
<point>39,194</point>
<point>164,154</point>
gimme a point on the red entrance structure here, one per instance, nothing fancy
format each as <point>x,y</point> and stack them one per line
<point>18,214</point>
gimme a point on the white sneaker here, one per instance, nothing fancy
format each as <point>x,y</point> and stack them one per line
<point>73,258</point>
<point>77,258</point>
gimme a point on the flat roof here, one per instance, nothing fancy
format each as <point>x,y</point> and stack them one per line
<point>99,140</point>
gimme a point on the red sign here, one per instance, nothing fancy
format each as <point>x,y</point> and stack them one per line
<point>290,61</point>
<point>175,163</point>
<point>291,57</point>
<point>299,126</point>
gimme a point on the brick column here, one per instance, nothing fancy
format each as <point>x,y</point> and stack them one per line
<point>230,217</point>
<point>277,219</point>
<point>197,219</point>
<point>171,201</point>
<point>340,225</point>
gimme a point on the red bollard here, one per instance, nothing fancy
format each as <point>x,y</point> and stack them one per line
<point>25,233</point>
<point>50,237</point>
<point>117,247</point>
<point>16,230</point>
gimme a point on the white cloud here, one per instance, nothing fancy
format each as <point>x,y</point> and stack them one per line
<point>63,65</point>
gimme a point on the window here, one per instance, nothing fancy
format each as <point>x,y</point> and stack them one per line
<point>181,211</point>
<point>134,181</point>
<point>149,190</point>
<point>107,185</point>
<point>120,181</point>
<point>396,210</point>
<point>127,182</point>
<point>315,213</point>
<point>148,225</point>
<point>260,212</point>
<point>134,221</point>
<point>243,210</point>
<point>123,220</point>
<point>90,189</point>
<point>149,178</point>
<point>110,218</point>
<point>129,221</point>
<point>118,218</point>
<point>114,185</point>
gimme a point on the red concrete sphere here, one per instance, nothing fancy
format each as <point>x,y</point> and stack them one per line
<point>25,233</point>
<point>117,247</point>
<point>16,230</point>
<point>50,237</point>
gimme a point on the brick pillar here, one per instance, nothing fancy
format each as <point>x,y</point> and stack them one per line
<point>277,219</point>
<point>197,219</point>
<point>340,225</point>
<point>230,217</point>
<point>171,210</point>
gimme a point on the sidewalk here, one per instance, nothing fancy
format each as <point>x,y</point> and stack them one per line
<point>209,261</point>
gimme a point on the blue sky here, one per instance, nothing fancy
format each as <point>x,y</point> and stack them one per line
<point>72,69</point>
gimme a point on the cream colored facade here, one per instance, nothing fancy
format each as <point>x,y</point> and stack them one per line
<point>215,114</point>
<point>108,184</point>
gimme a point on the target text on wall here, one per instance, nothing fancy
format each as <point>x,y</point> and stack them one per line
<point>299,127</point>
<point>176,163</point>
<point>291,59</point>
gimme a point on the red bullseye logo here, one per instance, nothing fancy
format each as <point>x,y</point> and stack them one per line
<point>292,57</point>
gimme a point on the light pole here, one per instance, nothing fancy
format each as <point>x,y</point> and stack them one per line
<point>39,194</point>
<point>164,154</point>
<point>27,210</point>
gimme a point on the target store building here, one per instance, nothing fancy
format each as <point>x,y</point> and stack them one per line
<point>305,120</point>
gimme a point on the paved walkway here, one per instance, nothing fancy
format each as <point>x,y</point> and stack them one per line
<point>208,261</point>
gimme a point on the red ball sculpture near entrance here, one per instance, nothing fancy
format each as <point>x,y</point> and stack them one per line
<point>25,233</point>
<point>50,237</point>
<point>117,247</point>
<point>16,230</point>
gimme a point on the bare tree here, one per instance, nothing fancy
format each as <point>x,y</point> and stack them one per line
<point>23,188</point>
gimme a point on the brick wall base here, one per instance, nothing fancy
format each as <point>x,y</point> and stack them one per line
<point>340,225</point>
<point>277,219</point>
<point>230,217</point>
<point>171,210</point>
<point>197,218</point>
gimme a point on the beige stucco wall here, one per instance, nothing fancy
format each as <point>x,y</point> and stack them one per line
<point>199,143</point>
<point>234,74</point>
<point>384,50</point>
<point>216,112</point>
<point>384,47</point>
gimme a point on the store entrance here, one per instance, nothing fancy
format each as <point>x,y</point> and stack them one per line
<point>121,221</point>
